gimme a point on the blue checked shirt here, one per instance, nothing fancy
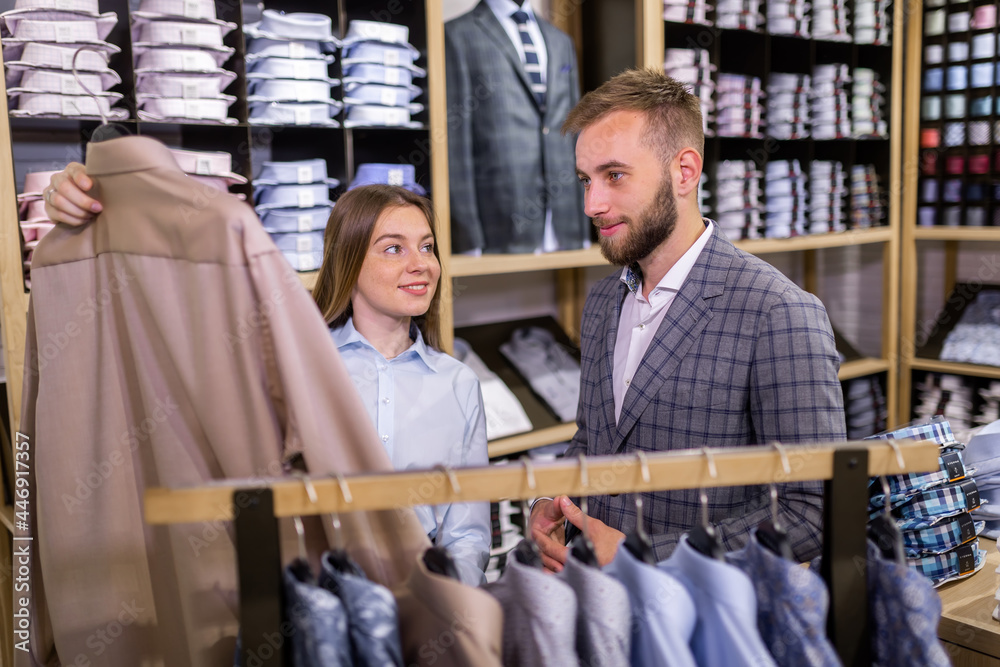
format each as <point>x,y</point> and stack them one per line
<point>942,501</point>
<point>938,430</point>
<point>942,536</point>
<point>958,562</point>
<point>904,487</point>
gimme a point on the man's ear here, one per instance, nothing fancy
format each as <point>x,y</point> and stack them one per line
<point>687,171</point>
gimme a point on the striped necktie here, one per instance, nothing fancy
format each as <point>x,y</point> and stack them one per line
<point>531,65</point>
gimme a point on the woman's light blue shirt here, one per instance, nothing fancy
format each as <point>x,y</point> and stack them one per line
<point>428,410</point>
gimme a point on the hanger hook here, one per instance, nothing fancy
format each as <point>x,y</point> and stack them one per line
<point>899,454</point>
<point>886,495</point>
<point>345,490</point>
<point>452,478</point>
<point>773,488</point>
<point>585,483</point>
<point>644,471</point>
<point>713,472</point>
<point>785,466</point>
<point>79,81</point>
<point>529,471</point>
<point>529,474</point>
<point>300,529</point>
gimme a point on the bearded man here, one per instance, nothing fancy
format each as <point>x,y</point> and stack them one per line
<point>693,343</point>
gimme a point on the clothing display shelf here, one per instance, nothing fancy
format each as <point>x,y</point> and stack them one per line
<point>931,219</point>
<point>846,467</point>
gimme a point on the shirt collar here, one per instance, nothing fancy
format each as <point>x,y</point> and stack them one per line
<point>677,274</point>
<point>347,335</point>
<point>504,8</point>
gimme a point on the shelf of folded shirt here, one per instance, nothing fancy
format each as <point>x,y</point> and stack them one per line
<point>955,368</point>
<point>945,233</point>
<point>967,608</point>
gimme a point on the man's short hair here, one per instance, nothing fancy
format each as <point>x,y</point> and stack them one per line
<point>673,114</point>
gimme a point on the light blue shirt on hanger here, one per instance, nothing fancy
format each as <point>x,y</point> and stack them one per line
<point>427,409</point>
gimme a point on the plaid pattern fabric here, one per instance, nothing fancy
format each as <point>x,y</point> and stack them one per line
<point>504,178</point>
<point>954,134</point>
<point>938,430</point>
<point>941,501</point>
<point>743,356</point>
<point>939,568</point>
<point>903,487</point>
<point>943,536</point>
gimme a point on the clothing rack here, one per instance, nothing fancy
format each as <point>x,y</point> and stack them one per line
<point>256,505</point>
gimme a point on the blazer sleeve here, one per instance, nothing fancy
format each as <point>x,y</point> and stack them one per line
<point>466,226</point>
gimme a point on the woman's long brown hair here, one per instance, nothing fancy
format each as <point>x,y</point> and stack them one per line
<point>345,244</point>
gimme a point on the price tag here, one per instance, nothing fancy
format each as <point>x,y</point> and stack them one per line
<point>305,223</point>
<point>189,36</point>
<point>388,97</point>
<point>192,10</point>
<point>398,116</point>
<point>395,177</point>
<point>392,77</point>
<point>306,198</point>
<point>190,89</point>
<point>189,60</point>
<point>68,85</point>
<point>67,59</point>
<point>304,244</point>
<point>305,174</point>
<point>302,92</point>
<point>302,116</point>
<point>391,57</point>
<point>64,32</point>
<point>296,50</point>
<point>203,166</point>
<point>70,107</point>
<point>193,109</point>
<point>64,5</point>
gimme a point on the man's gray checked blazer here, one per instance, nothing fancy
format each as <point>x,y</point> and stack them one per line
<point>507,159</point>
<point>743,356</point>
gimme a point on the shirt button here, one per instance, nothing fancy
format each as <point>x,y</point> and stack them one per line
<point>385,438</point>
<point>627,381</point>
<point>642,327</point>
<point>386,401</point>
<point>545,130</point>
<point>381,367</point>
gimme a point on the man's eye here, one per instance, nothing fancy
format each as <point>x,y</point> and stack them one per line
<point>616,175</point>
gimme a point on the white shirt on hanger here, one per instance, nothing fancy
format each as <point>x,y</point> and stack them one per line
<point>640,319</point>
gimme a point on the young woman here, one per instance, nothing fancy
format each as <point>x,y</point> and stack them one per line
<point>378,290</point>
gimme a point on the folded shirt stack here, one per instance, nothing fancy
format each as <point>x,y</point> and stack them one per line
<point>378,173</point>
<point>552,372</point>
<point>975,339</point>
<point>686,11</point>
<point>787,200</point>
<point>829,21</point>
<point>739,15</point>
<point>788,105</point>
<point>934,510</point>
<point>692,66</point>
<point>379,68</point>
<point>983,452</point>
<point>989,410</point>
<point>868,105</point>
<point>864,402</point>
<point>827,188</point>
<point>737,195</point>
<point>33,220</point>
<point>949,396</point>
<point>293,202</point>
<point>213,169</point>
<point>740,106</point>
<point>179,53</point>
<point>288,59</point>
<point>788,17</point>
<point>829,106</point>
<point>871,21</point>
<point>866,197</point>
<point>41,39</point>
<point>504,414</point>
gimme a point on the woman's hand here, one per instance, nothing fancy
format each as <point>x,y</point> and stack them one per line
<point>65,198</point>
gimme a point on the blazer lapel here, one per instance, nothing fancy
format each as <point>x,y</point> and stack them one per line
<point>491,26</point>
<point>607,393</point>
<point>678,333</point>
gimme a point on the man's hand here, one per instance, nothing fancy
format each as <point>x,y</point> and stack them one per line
<point>65,200</point>
<point>547,531</point>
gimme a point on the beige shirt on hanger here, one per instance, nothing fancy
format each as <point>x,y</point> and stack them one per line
<point>170,344</point>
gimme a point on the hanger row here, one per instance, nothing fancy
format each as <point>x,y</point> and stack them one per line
<point>627,473</point>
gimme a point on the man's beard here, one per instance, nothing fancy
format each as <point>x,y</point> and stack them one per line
<point>642,236</point>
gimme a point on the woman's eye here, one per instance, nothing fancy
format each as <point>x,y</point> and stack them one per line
<point>429,247</point>
<point>394,249</point>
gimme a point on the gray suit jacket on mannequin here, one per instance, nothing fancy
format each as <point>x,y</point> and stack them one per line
<point>507,160</point>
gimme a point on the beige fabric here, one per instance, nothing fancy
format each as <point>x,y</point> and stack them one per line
<point>446,623</point>
<point>169,344</point>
